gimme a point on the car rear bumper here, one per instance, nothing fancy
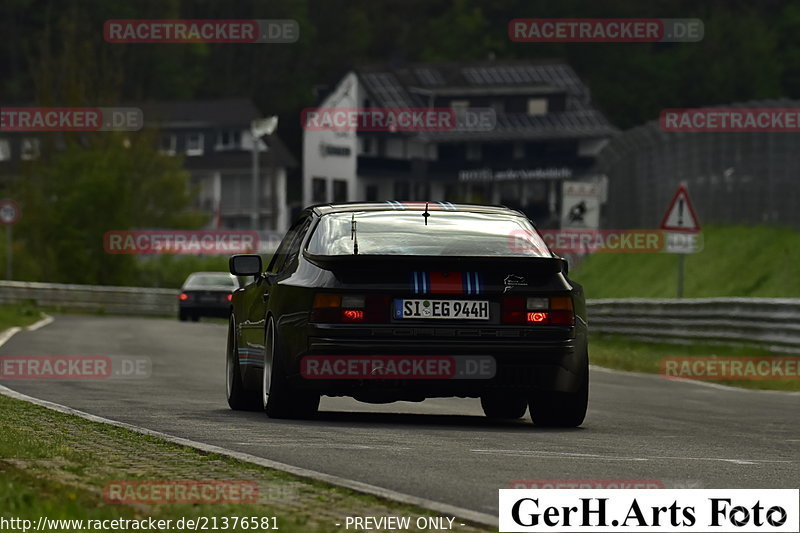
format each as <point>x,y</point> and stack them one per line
<point>215,310</point>
<point>525,359</point>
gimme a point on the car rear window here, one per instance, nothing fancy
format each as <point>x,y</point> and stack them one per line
<point>210,280</point>
<point>446,234</point>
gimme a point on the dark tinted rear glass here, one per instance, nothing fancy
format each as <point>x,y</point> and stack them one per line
<point>446,234</point>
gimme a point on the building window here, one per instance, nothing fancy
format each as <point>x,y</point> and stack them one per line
<point>30,148</point>
<point>5,150</point>
<point>167,143</point>
<point>339,191</point>
<point>402,191</point>
<point>366,145</point>
<point>519,150</point>
<point>473,151</point>
<point>194,144</point>
<point>228,140</point>
<point>537,106</point>
<point>459,103</point>
<point>372,193</point>
<point>319,190</point>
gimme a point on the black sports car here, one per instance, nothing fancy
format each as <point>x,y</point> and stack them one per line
<point>405,301</point>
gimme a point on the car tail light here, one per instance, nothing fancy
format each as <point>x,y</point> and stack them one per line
<point>349,308</point>
<point>556,310</point>
<point>352,315</point>
<point>230,297</point>
<point>326,308</point>
<point>513,310</point>
<point>183,297</point>
<point>561,311</point>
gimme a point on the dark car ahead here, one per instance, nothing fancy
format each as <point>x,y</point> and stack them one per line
<point>400,301</point>
<point>206,294</point>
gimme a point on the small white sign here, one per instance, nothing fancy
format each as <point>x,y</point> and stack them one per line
<point>681,242</point>
<point>9,212</point>
<point>680,215</point>
<point>580,205</point>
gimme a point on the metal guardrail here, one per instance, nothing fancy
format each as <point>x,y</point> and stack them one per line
<point>92,298</point>
<point>774,322</point>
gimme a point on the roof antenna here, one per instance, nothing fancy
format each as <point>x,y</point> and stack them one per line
<point>426,214</point>
<point>354,234</point>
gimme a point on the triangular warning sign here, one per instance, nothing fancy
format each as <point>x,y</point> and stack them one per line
<point>680,214</point>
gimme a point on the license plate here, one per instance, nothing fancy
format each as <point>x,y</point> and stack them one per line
<point>444,309</point>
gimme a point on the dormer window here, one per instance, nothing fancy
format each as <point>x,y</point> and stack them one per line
<point>229,140</point>
<point>194,144</point>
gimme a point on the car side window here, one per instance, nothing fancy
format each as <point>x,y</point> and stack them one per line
<point>287,244</point>
<point>294,247</point>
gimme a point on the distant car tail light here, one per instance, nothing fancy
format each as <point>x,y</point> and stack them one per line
<point>183,297</point>
<point>230,297</point>
<point>556,310</point>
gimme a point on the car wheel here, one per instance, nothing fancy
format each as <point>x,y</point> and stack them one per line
<point>561,409</point>
<point>278,397</point>
<point>182,315</point>
<point>195,317</point>
<point>239,398</point>
<point>504,406</point>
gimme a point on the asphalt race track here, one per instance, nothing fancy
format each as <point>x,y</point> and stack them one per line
<point>638,427</point>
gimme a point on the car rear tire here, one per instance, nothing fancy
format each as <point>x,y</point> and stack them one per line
<point>504,406</point>
<point>561,409</point>
<point>182,316</point>
<point>279,399</point>
<point>195,317</point>
<point>239,398</point>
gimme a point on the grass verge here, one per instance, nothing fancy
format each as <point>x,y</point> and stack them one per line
<point>57,465</point>
<point>735,261</point>
<point>18,315</point>
<point>623,353</point>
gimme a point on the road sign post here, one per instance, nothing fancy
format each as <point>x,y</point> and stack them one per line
<point>9,214</point>
<point>682,231</point>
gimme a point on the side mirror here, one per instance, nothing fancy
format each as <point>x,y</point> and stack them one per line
<point>245,265</point>
<point>564,266</point>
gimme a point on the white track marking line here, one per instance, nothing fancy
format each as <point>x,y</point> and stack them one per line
<point>7,334</point>
<point>46,319</point>
<point>572,455</point>
<point>10,332</point>
<point>358,486</point>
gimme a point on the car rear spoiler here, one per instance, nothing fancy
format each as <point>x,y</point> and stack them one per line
<point>533,265</point>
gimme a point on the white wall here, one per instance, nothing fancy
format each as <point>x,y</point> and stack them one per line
<point>330,167</point>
